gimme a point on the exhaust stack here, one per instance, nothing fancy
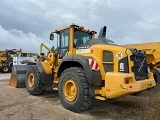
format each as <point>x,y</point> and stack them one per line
<point>102,33</point>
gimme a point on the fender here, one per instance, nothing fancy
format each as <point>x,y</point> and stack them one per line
<point>94,77</point>
<point>46,78</point>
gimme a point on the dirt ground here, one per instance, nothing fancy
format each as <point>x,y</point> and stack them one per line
<point>17,104</point>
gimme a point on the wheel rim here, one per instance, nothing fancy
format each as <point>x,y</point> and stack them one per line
<point>70,90</point>
<point>5,69</point>
<point>31,80</point>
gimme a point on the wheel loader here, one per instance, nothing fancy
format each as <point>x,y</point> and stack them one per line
<point>6,59</point>
<point>83,67</point>
<point>152,51</point>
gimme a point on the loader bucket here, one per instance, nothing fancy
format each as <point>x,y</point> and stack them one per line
<point>18,74</point>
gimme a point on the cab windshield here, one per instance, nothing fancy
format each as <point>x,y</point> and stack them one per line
<point>81,38</point>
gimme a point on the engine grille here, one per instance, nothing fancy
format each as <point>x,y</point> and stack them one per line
<point>140,67</point>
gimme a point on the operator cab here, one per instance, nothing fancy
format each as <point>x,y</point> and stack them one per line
<point>71,37</point>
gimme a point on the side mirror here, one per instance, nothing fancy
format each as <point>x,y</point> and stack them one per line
<point>51,36</point>
<point>52,49</point>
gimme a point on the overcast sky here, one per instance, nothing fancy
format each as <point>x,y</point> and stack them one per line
<point>26,23</point>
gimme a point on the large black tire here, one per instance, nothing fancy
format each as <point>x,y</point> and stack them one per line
<point>5,69</point>
<point>157,77</point>
<point>82,99</point>
<point>33,87</point>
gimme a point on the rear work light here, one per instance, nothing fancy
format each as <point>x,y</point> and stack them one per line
<point>126,80</point>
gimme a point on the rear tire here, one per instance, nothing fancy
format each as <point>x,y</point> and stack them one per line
<point>5,69</point>
<point>33,82</point>
<point>157,77</point>
<point>73,89</point>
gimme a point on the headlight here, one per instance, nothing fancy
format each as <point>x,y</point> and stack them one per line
<point>149,70</point>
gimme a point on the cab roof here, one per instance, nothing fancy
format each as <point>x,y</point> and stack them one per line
<point>76,26</point>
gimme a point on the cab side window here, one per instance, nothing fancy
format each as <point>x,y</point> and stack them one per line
<point>64,42</point>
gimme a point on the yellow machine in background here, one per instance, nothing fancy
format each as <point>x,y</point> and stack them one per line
<point>6,59</point>
<point>143,46</point>
<point>152,51</point>
<point>83,67</point>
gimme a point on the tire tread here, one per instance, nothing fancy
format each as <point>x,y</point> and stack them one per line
<point>38,88</point>
<point>87,99</point>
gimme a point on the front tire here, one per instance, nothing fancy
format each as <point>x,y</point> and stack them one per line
<point>33,82</point>
<point>73,89</point>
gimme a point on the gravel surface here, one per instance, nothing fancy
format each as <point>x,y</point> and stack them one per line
<point>17,104</point>
<point>5,76</point>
